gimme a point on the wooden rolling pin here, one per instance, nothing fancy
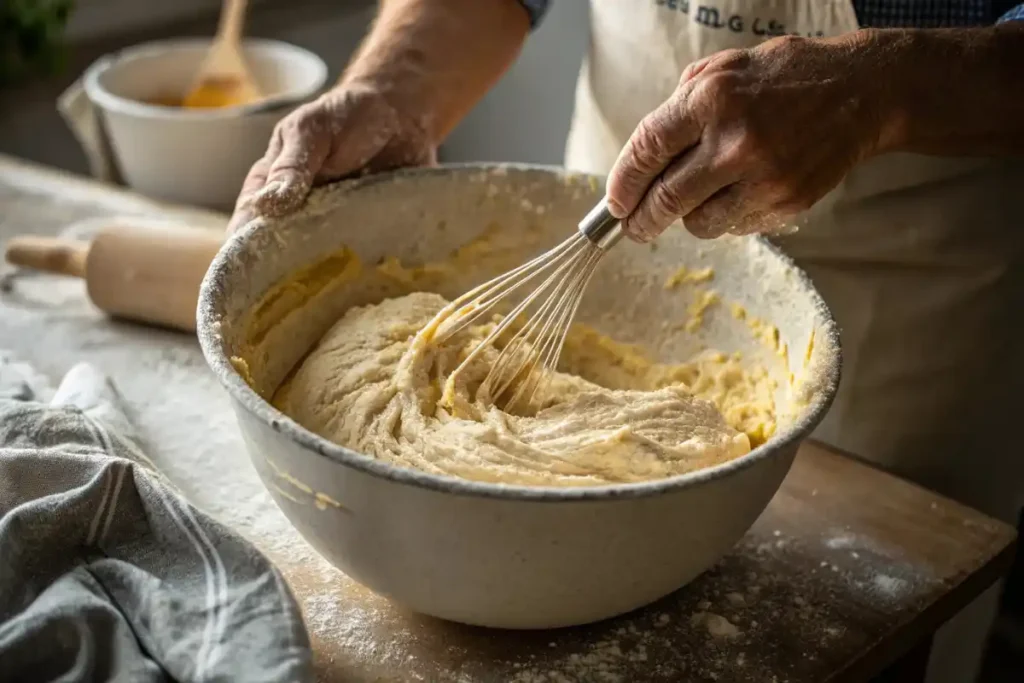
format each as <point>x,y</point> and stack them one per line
<point>149,275</point>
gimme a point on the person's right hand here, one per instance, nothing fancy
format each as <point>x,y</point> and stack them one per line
<point>351,129</point>
<point>753,138</point>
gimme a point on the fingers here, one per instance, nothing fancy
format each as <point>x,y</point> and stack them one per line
<point>332,138</point>
<point>724,155</point>
<point>685,185</point>
<point>278,183</point>
<point>254,181</point>
<point>662,135</point>
<point>693,69</point>
<point>667,132</point>
<point>738,209</point>
<point>299,150</point>
<point>305,144</point>
<point>718,215</point>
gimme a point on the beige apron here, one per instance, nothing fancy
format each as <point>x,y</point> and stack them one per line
<point>920,258</point>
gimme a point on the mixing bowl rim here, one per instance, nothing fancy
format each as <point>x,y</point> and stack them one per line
<point>109,101</point>
<point>217,358</point>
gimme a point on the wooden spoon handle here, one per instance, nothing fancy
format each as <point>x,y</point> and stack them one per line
<point>50,254</point>
<point>232,17</point>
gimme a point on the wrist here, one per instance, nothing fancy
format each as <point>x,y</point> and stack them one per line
<point>881,71</point>
<point>389,64</point>
<point>945,91</point>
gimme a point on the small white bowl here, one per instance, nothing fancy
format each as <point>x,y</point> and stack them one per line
<point>194,156</point>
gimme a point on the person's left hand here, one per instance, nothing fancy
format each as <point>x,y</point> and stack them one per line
<point>750,138</point>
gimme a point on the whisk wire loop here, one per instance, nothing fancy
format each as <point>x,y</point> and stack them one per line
<point>529,343</point>
<point>532,353</point>
<point>552,337</point>
<point>482,298</point>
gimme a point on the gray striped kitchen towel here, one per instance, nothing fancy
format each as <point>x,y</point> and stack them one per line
<point>106,572</point>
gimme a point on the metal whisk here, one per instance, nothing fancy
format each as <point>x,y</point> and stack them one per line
<point>547,311</point>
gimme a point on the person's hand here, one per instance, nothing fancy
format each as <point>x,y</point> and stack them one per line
<point>751,138</point>
<point>351,129</point>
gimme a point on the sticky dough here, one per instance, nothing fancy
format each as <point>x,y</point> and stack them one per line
<point>374,383</point>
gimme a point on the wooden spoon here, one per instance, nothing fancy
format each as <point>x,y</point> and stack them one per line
<point>224,79</point>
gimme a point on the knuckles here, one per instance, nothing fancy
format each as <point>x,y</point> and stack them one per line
<point>665,200</point>
<point>719,91</point>
<point>320,118</point>
<point>786,43</point>
<point>731,60</point>
<point>748,122</point>
<point>305,122</point>
<point>651,145</point>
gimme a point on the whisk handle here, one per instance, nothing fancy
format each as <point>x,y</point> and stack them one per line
<point>601,227</point>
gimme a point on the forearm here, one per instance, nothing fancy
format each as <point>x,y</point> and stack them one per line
<point>950,91</point>
<point>436,58</point>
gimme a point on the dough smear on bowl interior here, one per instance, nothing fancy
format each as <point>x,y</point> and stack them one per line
<point>374,384</point>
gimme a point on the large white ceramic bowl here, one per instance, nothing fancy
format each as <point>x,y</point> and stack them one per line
<point>193,156</point>
<point>503,556</point>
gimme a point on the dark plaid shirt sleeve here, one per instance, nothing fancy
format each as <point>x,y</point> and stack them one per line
<point>892,13</point>
<point>536,9</point>
<point>1015,14</point>
<point>935,13</point>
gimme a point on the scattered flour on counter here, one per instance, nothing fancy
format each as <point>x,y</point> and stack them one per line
<point>736,599</point>
<point>602,663</point>
<point>890,586</point>
<point>716,625</point>
<point>841,541</point>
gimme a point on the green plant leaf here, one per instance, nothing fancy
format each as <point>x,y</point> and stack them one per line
<point>32,38</point>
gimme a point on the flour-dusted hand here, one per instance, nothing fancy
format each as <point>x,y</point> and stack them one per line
<point>350,130</point>
<point>419,71</point>
<point>752,137</point>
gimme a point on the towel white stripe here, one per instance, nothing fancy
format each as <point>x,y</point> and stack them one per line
<point>94,525</point>
<point>121,471</point>
<point>211,600</point>
<point>211,579</point>
<point>108,445</point>
<point>222,582</point>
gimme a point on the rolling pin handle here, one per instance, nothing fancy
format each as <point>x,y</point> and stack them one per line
<point>49,254</point>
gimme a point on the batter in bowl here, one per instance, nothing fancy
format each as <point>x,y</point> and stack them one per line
<point>374,384</point>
